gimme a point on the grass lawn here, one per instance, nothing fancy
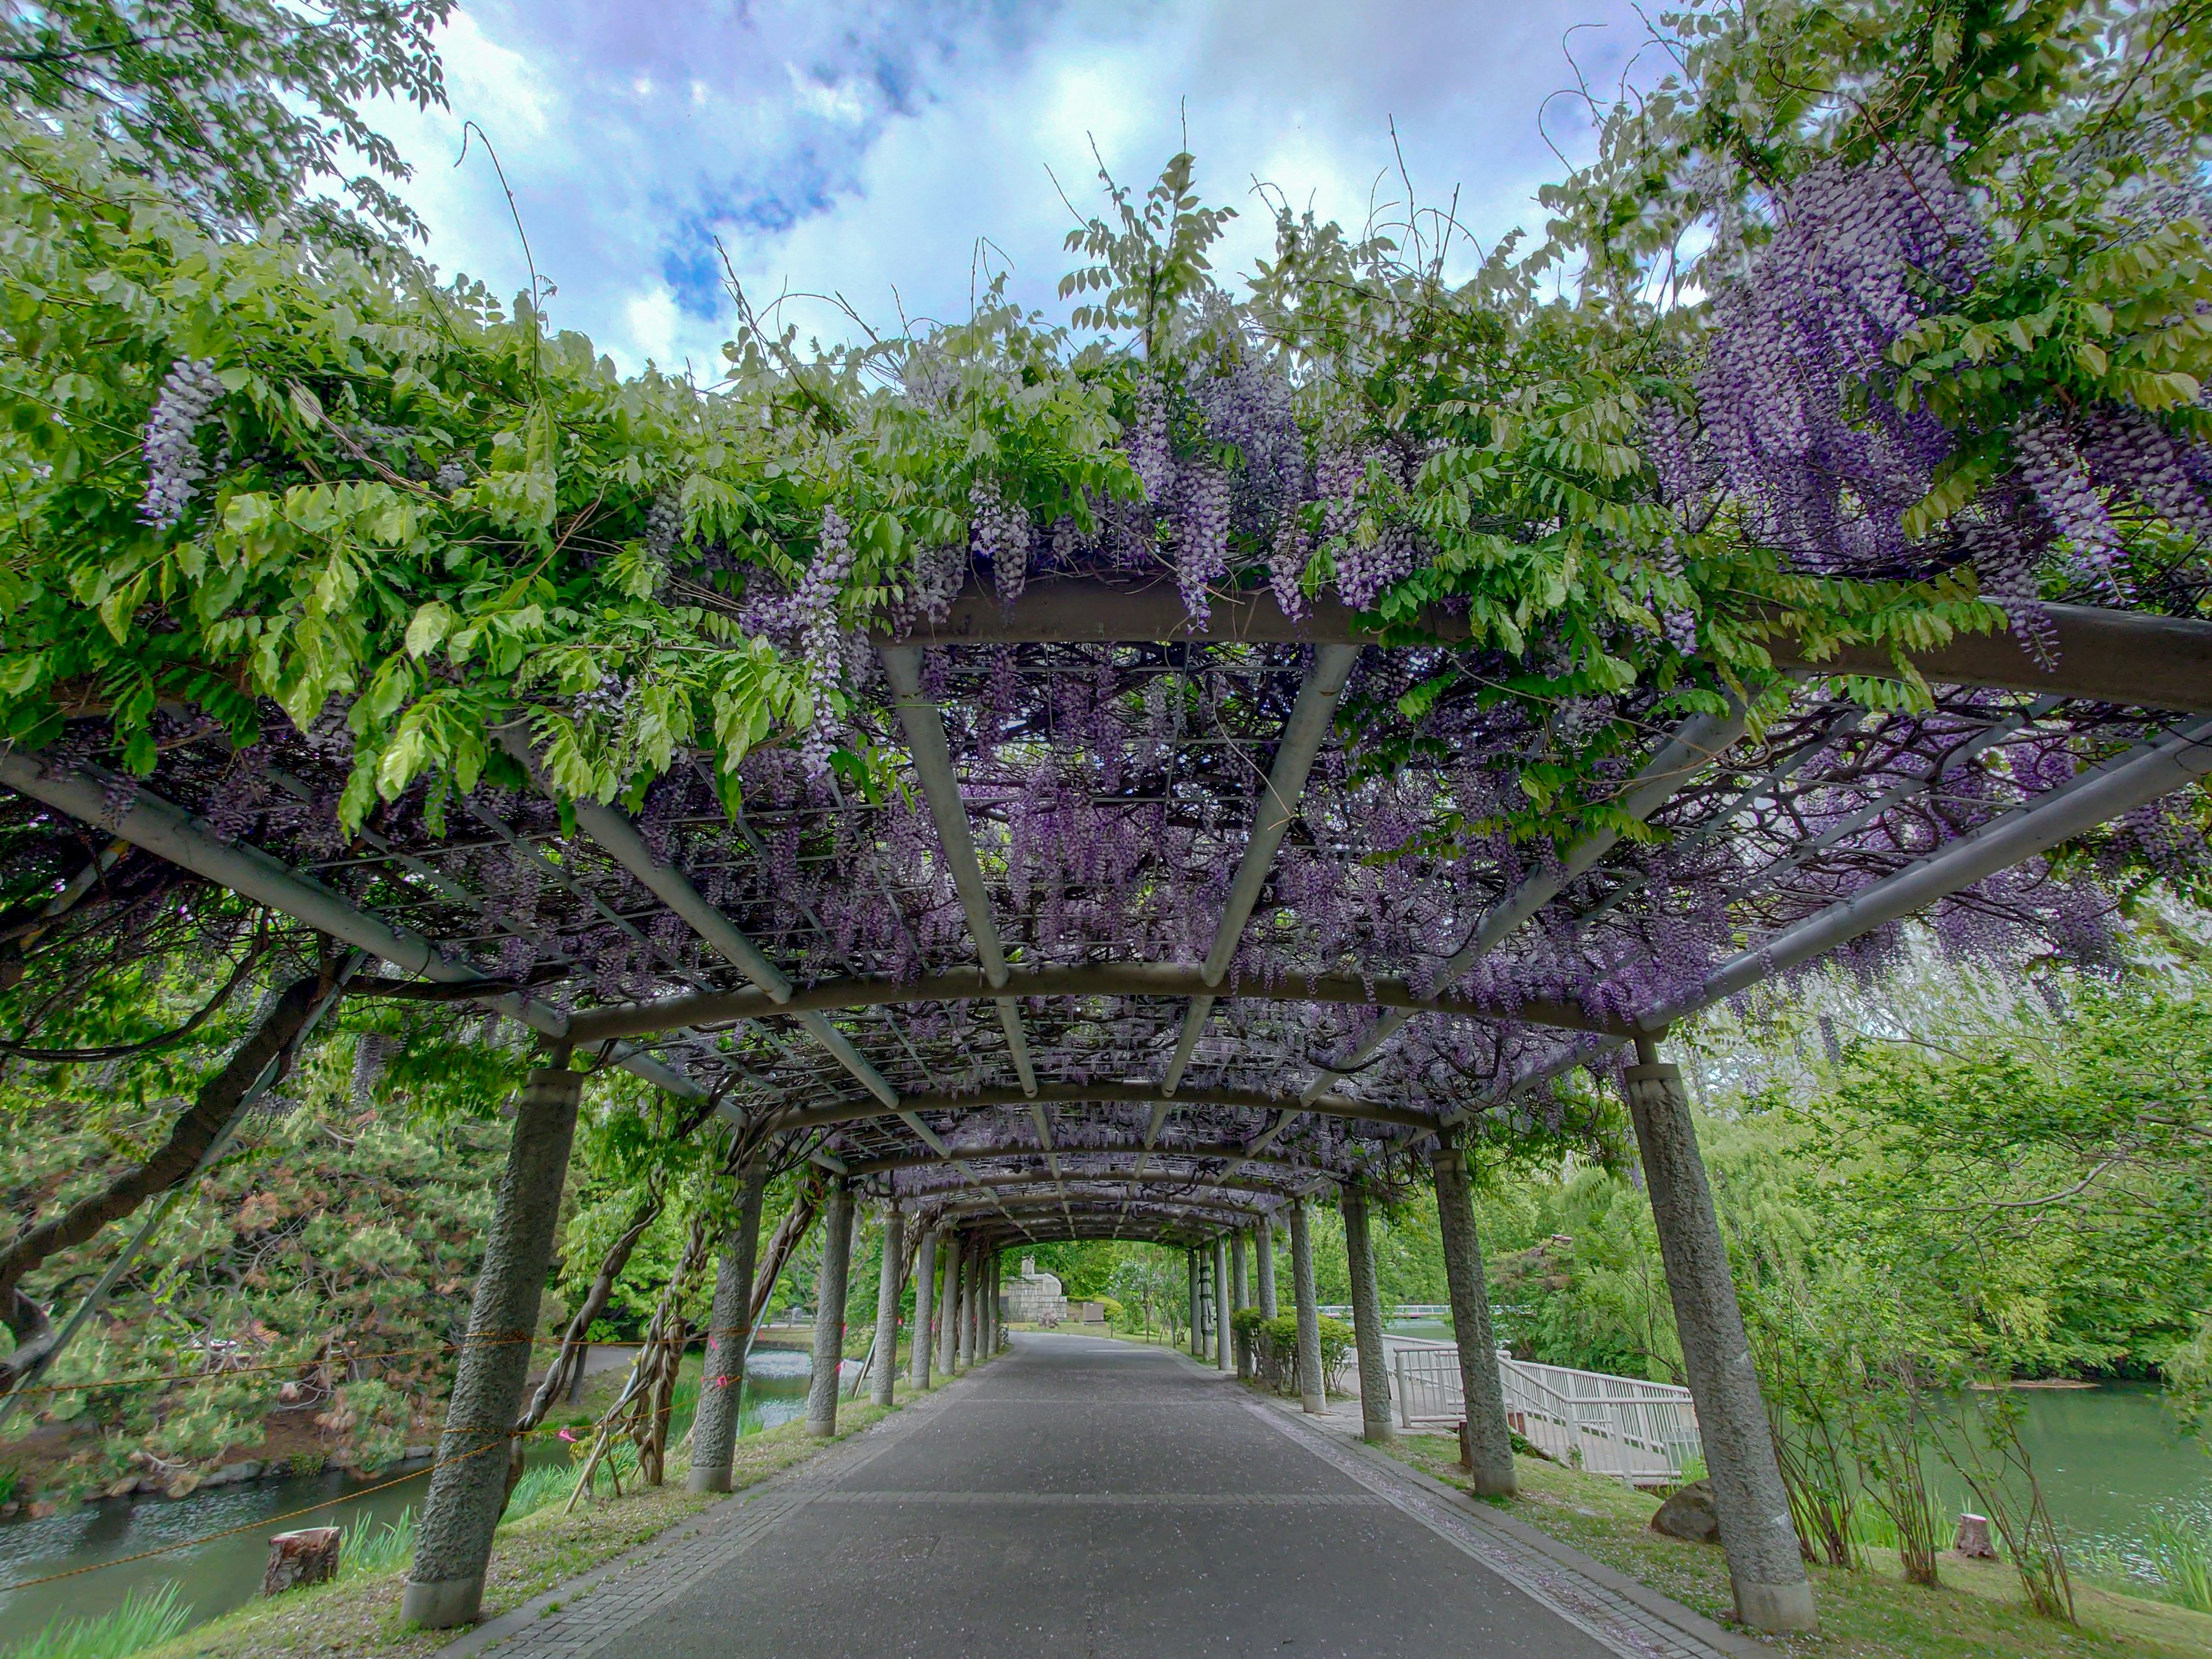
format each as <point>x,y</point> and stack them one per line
<point>1869,1614</point>
<point>357,1616</point>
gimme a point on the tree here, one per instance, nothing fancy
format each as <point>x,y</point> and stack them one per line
<point>243,109</point>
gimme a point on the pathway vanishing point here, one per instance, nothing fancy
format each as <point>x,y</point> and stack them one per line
<point>1085,1496</point>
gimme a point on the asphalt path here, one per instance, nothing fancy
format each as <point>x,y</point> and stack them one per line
<point>1082,1496</point>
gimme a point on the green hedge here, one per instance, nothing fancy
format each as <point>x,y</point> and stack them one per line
<point>1275,1346</point>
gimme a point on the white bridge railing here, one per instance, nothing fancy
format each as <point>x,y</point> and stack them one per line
<point>1637,1432</point>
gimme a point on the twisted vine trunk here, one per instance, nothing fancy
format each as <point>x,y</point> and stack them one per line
<point>806,1204</point>
<point>191,1134</point>
<point>575,1340</point>
<point>669,1330</point>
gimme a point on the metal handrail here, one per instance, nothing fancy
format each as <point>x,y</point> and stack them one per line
<point>1640,1431</point>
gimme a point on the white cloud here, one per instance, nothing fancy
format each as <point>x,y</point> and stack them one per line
<point>868,148</point>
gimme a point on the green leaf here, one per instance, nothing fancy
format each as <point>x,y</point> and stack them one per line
<point>430,624</point>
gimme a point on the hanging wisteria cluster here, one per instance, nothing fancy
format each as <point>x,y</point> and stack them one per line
<point>175,466</point>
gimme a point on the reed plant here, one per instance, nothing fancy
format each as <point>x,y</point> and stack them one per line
<point>368,1547</point>
<point>2182,1548</point>
<point>144,1620</point>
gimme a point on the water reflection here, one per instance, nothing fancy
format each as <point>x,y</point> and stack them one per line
<point>224,1570</point>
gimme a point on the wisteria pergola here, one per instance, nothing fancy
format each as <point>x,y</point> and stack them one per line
<point>1139,945</point>
<point>1179,982</point>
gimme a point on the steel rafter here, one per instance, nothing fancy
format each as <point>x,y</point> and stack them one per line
<point>923,722</point>
<point>169,832</point>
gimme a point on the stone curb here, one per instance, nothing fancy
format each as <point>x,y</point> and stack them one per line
<point>1688,1620</point>
<point>874,1439</point>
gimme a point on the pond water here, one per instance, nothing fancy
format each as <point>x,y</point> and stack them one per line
<point>106,1545</point>
<point>2109,1459</point>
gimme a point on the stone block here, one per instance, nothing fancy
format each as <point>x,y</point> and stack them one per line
<point>1690,1513</point>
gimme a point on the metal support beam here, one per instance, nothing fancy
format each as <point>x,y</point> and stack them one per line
<point>1194,1183</point>
<point>2106,656</point>
<point>1272,811</point>
<point>1211,1153</point>
<point>1121,979</point>
<point>1679,760</point>
<point>855,1111</point>
<point>617,837</point>
<point>924,726</point>
<point>2142,775</point>
<point>168,831</point>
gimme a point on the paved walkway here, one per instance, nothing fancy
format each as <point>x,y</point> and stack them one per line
<point>1085,1496</point>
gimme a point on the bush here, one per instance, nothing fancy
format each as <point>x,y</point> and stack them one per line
<point>1275,1346</point>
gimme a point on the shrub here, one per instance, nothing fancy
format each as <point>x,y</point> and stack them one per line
<point>1275,1346</point>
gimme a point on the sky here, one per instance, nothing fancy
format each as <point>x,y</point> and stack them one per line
<point>899,154</point>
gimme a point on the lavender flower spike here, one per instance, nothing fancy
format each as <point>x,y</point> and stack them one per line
<point>174,467</point>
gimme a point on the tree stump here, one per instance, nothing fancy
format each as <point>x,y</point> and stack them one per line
<point>1972,1538</point>
<point>309,1556</point>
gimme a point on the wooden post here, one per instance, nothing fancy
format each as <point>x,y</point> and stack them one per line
<point>1240,1297</point>
<point>948,1314</point>
<point>1765,1567</point>
<point>887,1306</point>
<point>925,1293</point>
<point>1263,1242</point>
<point>296,1560</point>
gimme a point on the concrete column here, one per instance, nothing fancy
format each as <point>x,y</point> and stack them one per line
<point>729,1328</point>
<point>468,1487</point>
<point>1313,1387</point>
<point>1367,1320</point>
<point>998,1308</point>
<point>1224,1346</point>
<point>948,1309</point>
<point>1765,1567</point>
<point>1483,1399</point>
<point>1240,1297</point>
<point>830,1311</point>
<point>1197,1312</point>
<point>885,1376</point>
<point>971,1262</point>
<point>987,1312</point>
<point>1263,1245</point>
<point>925,1296</point>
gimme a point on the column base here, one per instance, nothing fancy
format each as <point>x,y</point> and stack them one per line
<point>1316,1403</point>
<point>706,1479</point>
<point>821,1430</point>
<point>1379,1434</point>
<point>1776,1607</point>
<point>441,1605</point>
